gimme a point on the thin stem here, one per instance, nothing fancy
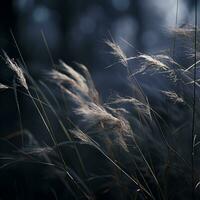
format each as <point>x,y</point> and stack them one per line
<point>194,100</point>
<point>176,25</point>
<point>19,111</point>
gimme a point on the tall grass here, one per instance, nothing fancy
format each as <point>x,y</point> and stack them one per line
<point>130,147</point>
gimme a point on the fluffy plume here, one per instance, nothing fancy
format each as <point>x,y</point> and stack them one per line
<point>92,90</point>
<point>139,106</point>
<point>153,61</point>
<point>173,96</point>
<point>94,114</point>
<point>73,82</point>
<point>77,77</point>
<point>183,31</point>
<point>18,71</point>
<point>117,51</point>
<point>3,87</point>
<point>81,136</point>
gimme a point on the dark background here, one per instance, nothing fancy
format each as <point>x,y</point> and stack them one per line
<point>75,30</point>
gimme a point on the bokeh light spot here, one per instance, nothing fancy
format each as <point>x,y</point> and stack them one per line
<point>121,5</point>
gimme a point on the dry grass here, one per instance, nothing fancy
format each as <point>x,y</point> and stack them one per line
<point>126,148</point>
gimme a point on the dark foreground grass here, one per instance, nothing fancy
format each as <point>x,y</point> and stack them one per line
<point>68,144</point>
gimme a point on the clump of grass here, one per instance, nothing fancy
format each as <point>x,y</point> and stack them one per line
<point>135,147</point>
